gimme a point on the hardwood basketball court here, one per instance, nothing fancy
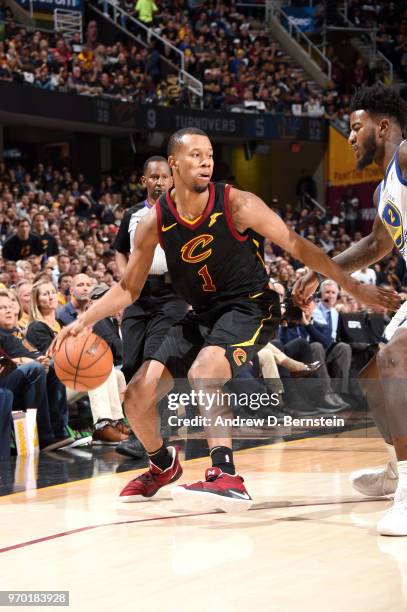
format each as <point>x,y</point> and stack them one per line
<point>309,543</point>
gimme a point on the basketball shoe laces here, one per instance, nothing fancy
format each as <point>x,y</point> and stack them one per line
<point>146,478</point>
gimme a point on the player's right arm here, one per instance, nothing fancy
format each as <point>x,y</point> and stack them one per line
<point>128,289</point>
<point>364,253</point>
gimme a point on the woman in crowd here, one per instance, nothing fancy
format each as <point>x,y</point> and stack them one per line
<point>16,309</point>
<point>34,382</point>
<point>105,400</point>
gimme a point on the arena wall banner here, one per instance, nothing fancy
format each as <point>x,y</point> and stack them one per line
<point>342,175</point>
<point>301,16</point>
<point>88,114</point>
<point>48,6</point>
<point>234,125</point>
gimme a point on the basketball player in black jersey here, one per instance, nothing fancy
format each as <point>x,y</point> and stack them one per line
<point>205,230</point>
<point>146,322</point>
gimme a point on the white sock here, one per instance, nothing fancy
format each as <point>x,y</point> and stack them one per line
<point>392,459</point>
<point>401,492</point>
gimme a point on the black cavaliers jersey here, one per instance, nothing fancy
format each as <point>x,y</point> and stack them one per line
<point>208,259</point>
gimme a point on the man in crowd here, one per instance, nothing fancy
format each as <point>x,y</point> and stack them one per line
<point>23,289</point>
<point>64,286</point>
<point>22,243</point>
<point>336,355</point>
<point>48,242</point>
<point>79,298</point>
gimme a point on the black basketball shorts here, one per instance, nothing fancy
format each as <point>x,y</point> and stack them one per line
<point>242,326</point>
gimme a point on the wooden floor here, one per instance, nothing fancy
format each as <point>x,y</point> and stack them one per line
<point>308,544</point>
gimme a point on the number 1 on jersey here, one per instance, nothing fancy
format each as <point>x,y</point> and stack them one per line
<point>208,284</point>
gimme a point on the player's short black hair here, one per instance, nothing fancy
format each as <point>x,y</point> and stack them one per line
<point>380,100</point>
<point>176,137</point>
<point>153,158</point>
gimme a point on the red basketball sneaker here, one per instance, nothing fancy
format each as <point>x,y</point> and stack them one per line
<point>219,491</point>
<point>146,485</point>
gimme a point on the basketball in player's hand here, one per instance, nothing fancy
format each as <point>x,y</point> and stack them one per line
<point>83,362</point>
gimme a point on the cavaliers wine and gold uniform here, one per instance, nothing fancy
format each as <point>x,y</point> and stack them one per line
<point>221,273</point>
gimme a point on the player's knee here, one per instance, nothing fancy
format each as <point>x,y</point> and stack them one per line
<point>199,372</point>
<point>195,374</point>
<point>139,391</point>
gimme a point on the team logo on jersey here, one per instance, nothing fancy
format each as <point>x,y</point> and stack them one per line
<point>239,356</point>
<point>193,251</point>
<point>394,224</point>
<point>213,218</point>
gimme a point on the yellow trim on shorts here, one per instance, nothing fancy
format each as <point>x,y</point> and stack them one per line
<point>256,333</point>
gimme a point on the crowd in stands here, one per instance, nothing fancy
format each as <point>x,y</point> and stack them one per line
<point>57,234</point>
<point>390,21</point>
<point>235,57</point>
<point>240,65</point>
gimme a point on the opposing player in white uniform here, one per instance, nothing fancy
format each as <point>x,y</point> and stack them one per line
<point>377,122</point>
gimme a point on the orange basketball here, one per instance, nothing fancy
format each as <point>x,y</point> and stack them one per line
<point>83,362</point>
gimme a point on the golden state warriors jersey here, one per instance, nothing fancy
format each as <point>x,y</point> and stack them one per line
<point>392,200</point>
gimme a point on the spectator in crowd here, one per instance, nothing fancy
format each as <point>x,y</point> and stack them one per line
<point>64,264</point>
<point>34,383</point>
<point>297,352</point>
<point>64,285</point>
<point>313,107</point>
<point>42,323</point>
<point>48,242</point>
<point>16,306</point>
<point>23,243</point>
<point>304,340</point>
<point>337,355</point>
<point>79,298</point>
<point>23,289</point>
<point>223,47</point>
<point>145,10</point>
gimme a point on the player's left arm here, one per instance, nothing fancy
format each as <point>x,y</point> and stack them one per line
<point>249,211</point>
